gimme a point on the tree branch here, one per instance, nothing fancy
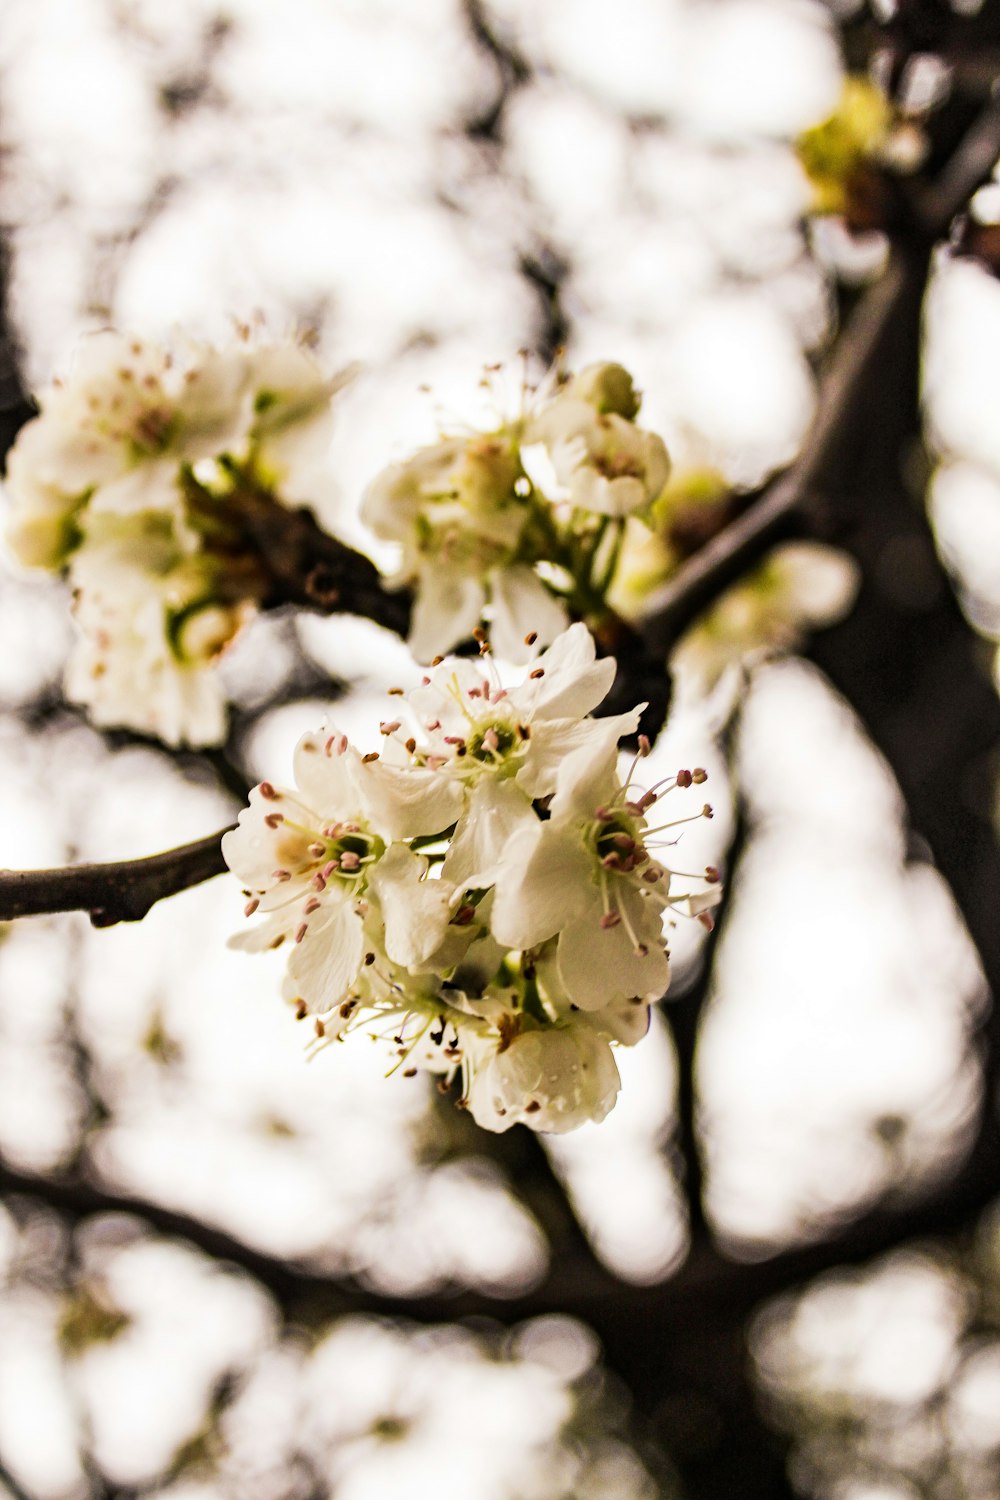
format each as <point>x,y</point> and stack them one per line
<point>122,891</point>
<point>721,562</point>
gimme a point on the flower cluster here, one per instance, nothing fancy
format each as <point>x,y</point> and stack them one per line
<point>482,893</point>
<point>130,478</point>
<point>521,524</point>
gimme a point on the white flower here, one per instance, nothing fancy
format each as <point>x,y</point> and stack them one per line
<point>308,858</point>
<point>799,587</point>
<point>553,1079</point>
<point>126,405</point>
<point>292,426</point>
<point>459,509</point>
<point>603,461</point>
<point>150,632</point>
<point>473,729</point>
<point>585,876</point>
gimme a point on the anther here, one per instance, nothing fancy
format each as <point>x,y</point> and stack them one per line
<point>281,875</point>
<point>538,672</point>
<point>316,850</point>
<point>411,745</point>
<point>698,775</point>
<point>644,745</point>
<point>349,860</point>
<point>301,931</point>
<point>389,726</point>
<point>320,1028</point>
<point>367,759</point>
<point>251,907</point>
<point>707,920</point>
<point>706,811</point>
<point>479,634</point>
<point>610,919</point>
<point>268,791</point>
<point>684,778</point>
<point>712,874</point>
<point>311,905</point>
<point>436,661</point>
<point>531,638</point>
<point>301,1010</point>
<point>369,959</point>
<point>273,819</point>
<point>396,692</point>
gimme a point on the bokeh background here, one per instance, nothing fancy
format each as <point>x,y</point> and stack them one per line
<point>227,1271</point>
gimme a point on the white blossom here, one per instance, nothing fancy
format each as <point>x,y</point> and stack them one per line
<point>482,902</point>
<point>602,460</point>
<point>132,479</point>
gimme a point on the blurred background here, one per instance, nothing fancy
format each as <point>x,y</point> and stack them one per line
<point>775,1269</point>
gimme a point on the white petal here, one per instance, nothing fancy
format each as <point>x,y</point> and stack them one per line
<point>543,879</point>
<point>405,802</point>
<point>600,966</point>
<point>573,681</point>
<point>416,911</point>
<point>326,777</point>
<point>447,609</point>
<point>552,740</point>
<point>522,606</point>
<point>497,809</point>
<point>326,962</point>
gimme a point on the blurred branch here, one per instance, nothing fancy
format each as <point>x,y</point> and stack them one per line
<point>857,352</point>
<point>122,891</point>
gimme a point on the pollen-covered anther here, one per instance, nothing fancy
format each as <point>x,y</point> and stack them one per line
<point>699,775</point>
<point>396,692</point>
<point>707,812</point>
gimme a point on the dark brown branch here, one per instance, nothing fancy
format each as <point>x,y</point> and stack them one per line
<point>701,580</point>
<point>308,567</point>
<point>122,891</point>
